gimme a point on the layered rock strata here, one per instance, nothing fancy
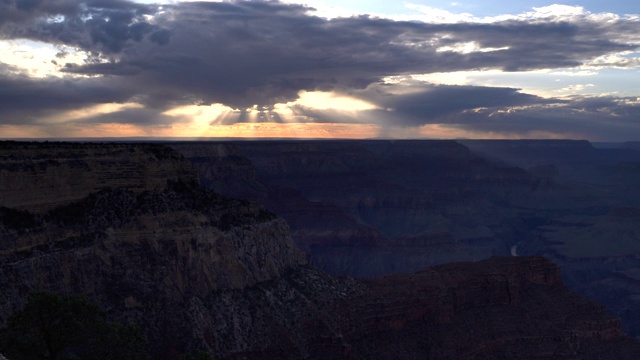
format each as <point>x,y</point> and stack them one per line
<point>38,176</point>
<point>499,308</point>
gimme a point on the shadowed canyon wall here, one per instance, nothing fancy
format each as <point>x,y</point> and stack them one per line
<point>366,208</point>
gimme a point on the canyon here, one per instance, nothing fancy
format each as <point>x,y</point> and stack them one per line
<point>374,207</point>
<point>173,239</point>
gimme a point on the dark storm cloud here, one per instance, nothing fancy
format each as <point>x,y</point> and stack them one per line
<point>534,46</point>
<point>97,25</point>
<point>258,52</point>
<point>497,111</point>
<point>19,11</point>
<point>25,101</point>
<point>414,103</point>
<point>263,52</point>
<point>103,69</point>
<point>426,103</point>
<point>595,118</point>
<point>143,116</point>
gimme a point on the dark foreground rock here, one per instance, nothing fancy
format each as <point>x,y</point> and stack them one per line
<point>499,308</point>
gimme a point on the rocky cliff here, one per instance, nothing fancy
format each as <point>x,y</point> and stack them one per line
<point>145,258</point>
<point>200,272</point>
<point>450,311</point>
<point>38,176</point>
<point>129,226</point>
<point>499,308</point>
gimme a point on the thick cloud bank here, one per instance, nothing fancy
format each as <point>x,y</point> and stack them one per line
<point>246,53</point>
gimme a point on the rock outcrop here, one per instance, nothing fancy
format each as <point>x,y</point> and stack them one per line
<point>38,176</point>
<point>588,223</point>
<point>142,243</point>
<point>488,309</point>
<point>149,263</point>
<point>498,308</point>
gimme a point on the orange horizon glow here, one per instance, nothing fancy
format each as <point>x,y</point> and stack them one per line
<point>265,130</point>
<point>239,130</point>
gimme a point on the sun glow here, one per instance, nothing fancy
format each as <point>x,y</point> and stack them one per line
<point>280,120</point>
<point>239,130</point>
<point>200,115</point>
<point>88,112</point>
<point>468,48</point>
<point>322,100</point>
<point>284,120</point>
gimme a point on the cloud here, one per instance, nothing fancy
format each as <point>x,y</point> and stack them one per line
<point>99,25</point>
<point>418,103</point>
<point>26,101</point>
<point>246,53</point>
<point>590,117</point>
<point>488,112</point>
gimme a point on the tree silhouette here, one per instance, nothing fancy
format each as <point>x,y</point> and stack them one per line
<point>54,327</point>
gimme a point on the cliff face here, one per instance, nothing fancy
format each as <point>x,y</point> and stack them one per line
<point>488,309</point>
<point>149,242</point>
<point>589,223</point>
<point>498,308</point>
<point>40,176</point>
<point>154,245</point>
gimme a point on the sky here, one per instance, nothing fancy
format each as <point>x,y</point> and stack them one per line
<point>320,69</point>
